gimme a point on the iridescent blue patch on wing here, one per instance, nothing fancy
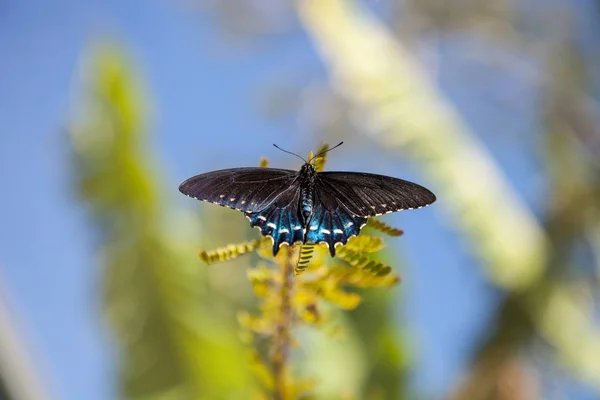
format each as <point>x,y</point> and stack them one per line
<point>333,227</point>
<point>280,224</point>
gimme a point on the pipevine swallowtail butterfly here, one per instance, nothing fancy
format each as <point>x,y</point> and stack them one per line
<point>306,206</point>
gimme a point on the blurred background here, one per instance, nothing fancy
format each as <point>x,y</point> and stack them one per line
<point>106,106</point>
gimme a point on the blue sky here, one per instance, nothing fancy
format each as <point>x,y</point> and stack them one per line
<point>206,93</point>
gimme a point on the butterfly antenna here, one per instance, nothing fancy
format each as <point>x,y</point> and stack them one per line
<point>323,152</point>
<point>289,152</point>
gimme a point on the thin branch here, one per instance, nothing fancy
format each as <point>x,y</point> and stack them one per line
<point>281,341</point>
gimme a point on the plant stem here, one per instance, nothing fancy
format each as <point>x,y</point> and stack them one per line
<point>281,341</point>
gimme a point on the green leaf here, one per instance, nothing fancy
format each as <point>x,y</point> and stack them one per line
<point>364,243</point>
<point>360,261</point>
<point>383,227</point>
<point>304,258</point>
<point>322,159</point>
<point>229,252</point>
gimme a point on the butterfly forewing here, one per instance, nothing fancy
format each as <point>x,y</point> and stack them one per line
<point>368,195</point>
<point>269,197</point>
<point>244,189</point>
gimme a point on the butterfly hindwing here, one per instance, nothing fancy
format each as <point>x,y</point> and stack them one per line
<point>280,219</point>
<point>331,222</point>
<point>368,195</point>
<point>243,189</point>
<point>333,227</point>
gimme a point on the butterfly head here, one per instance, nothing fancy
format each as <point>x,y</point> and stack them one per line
<point>308,170</point>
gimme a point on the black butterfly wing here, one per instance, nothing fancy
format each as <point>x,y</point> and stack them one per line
<point>243,189</point>
<point>368,195</point>
<point>280,220</point>
<point>331,222</point>
<point>345,200</point>
<point>269,197</point>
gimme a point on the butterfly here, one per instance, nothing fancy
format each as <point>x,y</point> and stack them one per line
<point>306,206</point>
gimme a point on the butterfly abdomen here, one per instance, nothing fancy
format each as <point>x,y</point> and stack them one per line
<point>306,204</point>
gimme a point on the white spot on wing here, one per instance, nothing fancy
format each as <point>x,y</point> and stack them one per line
<point>349,224</point>
<point>313,228</point>
<point>325,231</point>
<point>262,218</point>
<point>243,202</point>
<point>271,225</point>
<point>338,231</point>
<point>221,196</point>
<point>297,227</point>
<point>283,230</point>
<point>232,199</point>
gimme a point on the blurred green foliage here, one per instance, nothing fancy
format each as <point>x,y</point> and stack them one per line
<point>547,268</point>
<point>174,344</point>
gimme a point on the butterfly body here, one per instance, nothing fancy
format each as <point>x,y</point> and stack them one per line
<point>306,205</point>
<point>306,176</point>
